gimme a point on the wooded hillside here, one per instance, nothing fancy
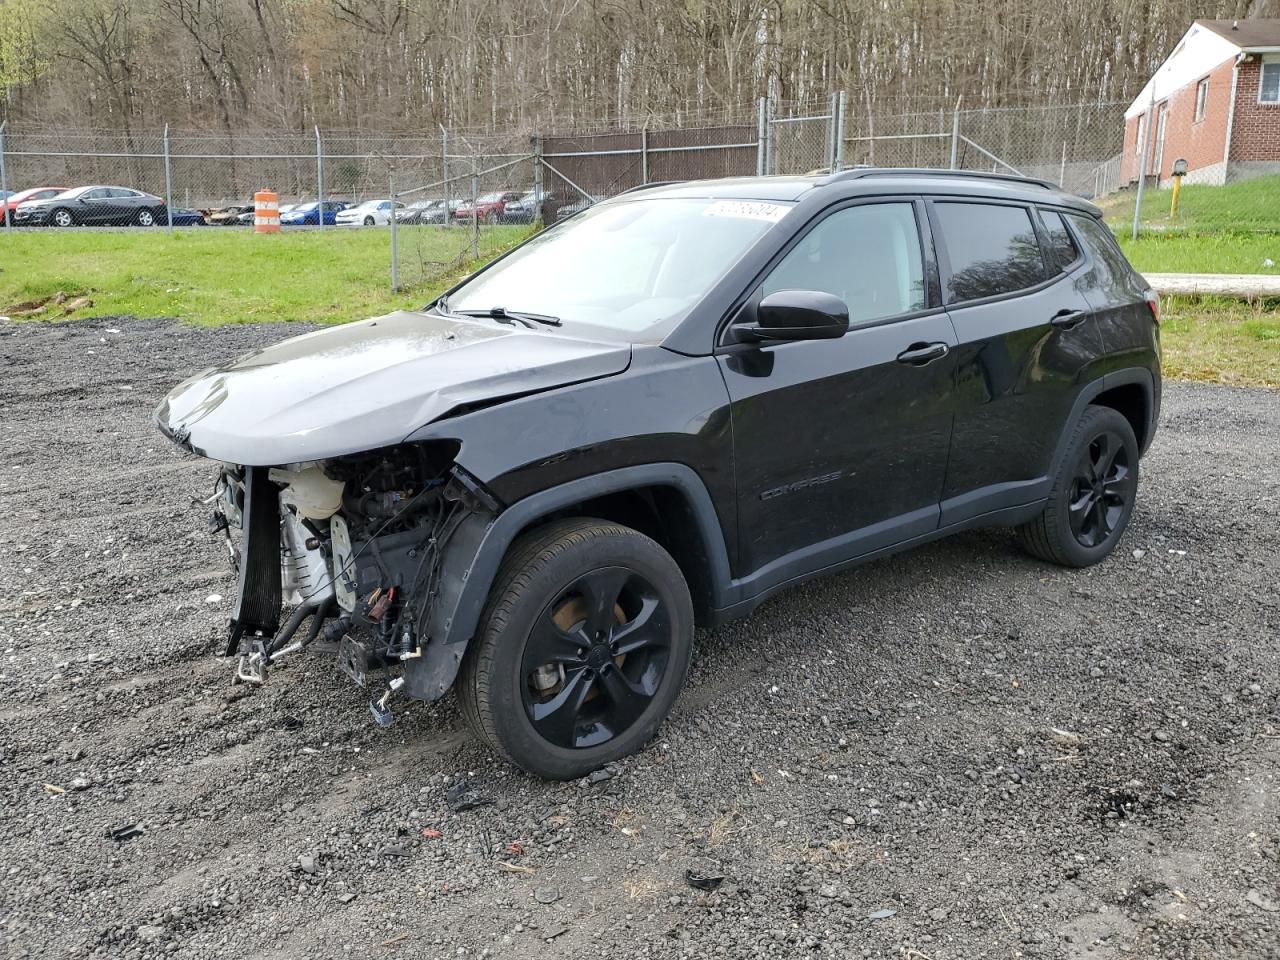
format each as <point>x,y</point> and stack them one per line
<point>404,65</point>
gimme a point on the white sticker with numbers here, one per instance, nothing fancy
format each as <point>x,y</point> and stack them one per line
<point>747,210</point>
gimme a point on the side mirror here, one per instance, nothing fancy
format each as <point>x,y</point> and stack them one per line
<point>797,315</point>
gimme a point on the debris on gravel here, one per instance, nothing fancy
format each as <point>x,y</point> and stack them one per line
<point>997,757</point>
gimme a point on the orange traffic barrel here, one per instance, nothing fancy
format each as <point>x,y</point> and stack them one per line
<point>266,212</point>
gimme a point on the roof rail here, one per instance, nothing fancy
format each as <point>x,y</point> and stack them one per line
<point>646,186</point>
<point>857,173</point>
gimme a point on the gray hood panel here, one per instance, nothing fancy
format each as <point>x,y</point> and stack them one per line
<point>370,384</point>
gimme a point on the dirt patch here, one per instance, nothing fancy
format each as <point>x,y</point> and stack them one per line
<point>958,752</point>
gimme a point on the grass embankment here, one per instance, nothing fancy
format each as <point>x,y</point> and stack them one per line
<point>1220,341</point>
<point>215,275</point>
<point>1247,206</point>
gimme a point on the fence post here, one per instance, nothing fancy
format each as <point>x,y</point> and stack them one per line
<point>444,173</point>
<point>4,182</point>
<point>395,260</point>
<point>319,179</point>
<point>831,135</point>
<point>955,136</point>
<point>761,133</point>
<point>769,147</point>
<point>644,154</point>
<point>1062,171</point>
<point>538,197</point>
<point>1142,163</point>
<point>842,106</point>
<point>168,182</point>
<point>475,216</point>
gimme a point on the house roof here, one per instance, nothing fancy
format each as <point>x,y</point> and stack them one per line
<point>1205,45</point>
<point>1248,35</point>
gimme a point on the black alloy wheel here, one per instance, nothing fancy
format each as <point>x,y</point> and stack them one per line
<point>595,658</point>
<point>1101,489</point>
<point>582,648</point>
<point>1095,487</point>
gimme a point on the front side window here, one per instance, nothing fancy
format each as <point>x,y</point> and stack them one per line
<point>868,256</point>
<point>631,267</point>
<point>992,249</point>
<point>1269,84</point>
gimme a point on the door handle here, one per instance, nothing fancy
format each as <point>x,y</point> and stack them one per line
<point>918,354</point>
<point>1066,319</point>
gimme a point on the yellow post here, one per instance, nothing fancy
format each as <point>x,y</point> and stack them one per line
<point>1179,171</point>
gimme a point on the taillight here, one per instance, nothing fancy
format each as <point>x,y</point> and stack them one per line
<point>1153,301</point>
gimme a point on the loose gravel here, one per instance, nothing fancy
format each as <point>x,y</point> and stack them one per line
<point>958,752</point>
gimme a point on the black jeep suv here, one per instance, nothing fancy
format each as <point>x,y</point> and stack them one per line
<point>657,414</point>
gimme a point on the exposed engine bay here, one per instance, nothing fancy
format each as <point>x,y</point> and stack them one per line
<point>354,545</point>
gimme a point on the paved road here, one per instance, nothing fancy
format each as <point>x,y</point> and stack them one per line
<point>1243,285</point>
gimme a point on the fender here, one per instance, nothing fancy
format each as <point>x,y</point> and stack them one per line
<point>1109,381</point>
<point>471,560</point>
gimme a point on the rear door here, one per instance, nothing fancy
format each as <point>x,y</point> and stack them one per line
<point>840,446</point>
<point>1027,340</point>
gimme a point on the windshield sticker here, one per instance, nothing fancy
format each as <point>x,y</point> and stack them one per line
<point>747,210</point>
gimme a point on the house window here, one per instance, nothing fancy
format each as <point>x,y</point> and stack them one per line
<point>1269,85</point>
<point>1202,97</point>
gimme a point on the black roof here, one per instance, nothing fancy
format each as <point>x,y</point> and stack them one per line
<point>874,180</point>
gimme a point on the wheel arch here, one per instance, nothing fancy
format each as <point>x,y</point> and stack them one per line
<point>1130,391</point>
<point>666,501</point>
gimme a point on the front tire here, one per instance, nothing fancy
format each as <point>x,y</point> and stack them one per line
<point>62,218</point>
<point>1092,496</point>
<point>582,648</point>
<point>368,221</point>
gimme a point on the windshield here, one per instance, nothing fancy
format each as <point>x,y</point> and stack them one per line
<point>632,267</point>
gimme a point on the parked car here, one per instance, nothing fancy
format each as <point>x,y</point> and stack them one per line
<point>186,218</point>
<point>302,214</point>
<point>367,214</point>
<point>664,411</point>
<point>488,207</point>
<point>527,208</point>
<point>426,211</point>
<point>228,216</point>
<point>13,200</point>
<point>98,205</point>
<point>576,206</point>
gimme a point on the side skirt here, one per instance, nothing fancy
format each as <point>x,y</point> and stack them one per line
<point>1006,517</point>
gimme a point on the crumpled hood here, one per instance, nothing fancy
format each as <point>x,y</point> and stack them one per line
<point>369,384</point>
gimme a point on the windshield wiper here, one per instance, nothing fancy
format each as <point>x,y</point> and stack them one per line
<point>504,315</point>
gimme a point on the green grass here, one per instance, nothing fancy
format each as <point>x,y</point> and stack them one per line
<point>1220,341</point>
<point>1244,207</point>
<point>214,275</point>
<point>1203,253</point>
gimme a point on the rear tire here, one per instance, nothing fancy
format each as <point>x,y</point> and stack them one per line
<point>1092,496</point>
<point>145,218</point>
<point>567,673</point>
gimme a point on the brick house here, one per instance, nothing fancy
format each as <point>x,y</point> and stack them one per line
<point>1215,102</point>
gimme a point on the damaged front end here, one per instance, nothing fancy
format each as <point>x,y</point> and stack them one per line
<point>355,547</point>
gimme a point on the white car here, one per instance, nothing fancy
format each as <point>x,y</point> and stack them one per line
<point>367,214</point>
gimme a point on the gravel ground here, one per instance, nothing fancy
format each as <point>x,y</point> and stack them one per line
<point>958,752</point>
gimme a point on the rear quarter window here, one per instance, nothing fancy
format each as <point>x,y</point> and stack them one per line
<point>1060,247</point>
<point>992,249</point>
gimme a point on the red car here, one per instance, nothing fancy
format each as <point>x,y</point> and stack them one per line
<point>35,193</point>
<point>488,208</point>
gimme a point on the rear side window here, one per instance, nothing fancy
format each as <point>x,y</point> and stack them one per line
<point>992,249</point>
<point>868,256</point>
<point>1101,244</point>
<point>1060,248</point>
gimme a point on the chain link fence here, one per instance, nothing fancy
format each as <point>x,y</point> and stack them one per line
<point>460,196</point>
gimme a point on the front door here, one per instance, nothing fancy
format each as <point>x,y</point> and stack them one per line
<point>840,446</point>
